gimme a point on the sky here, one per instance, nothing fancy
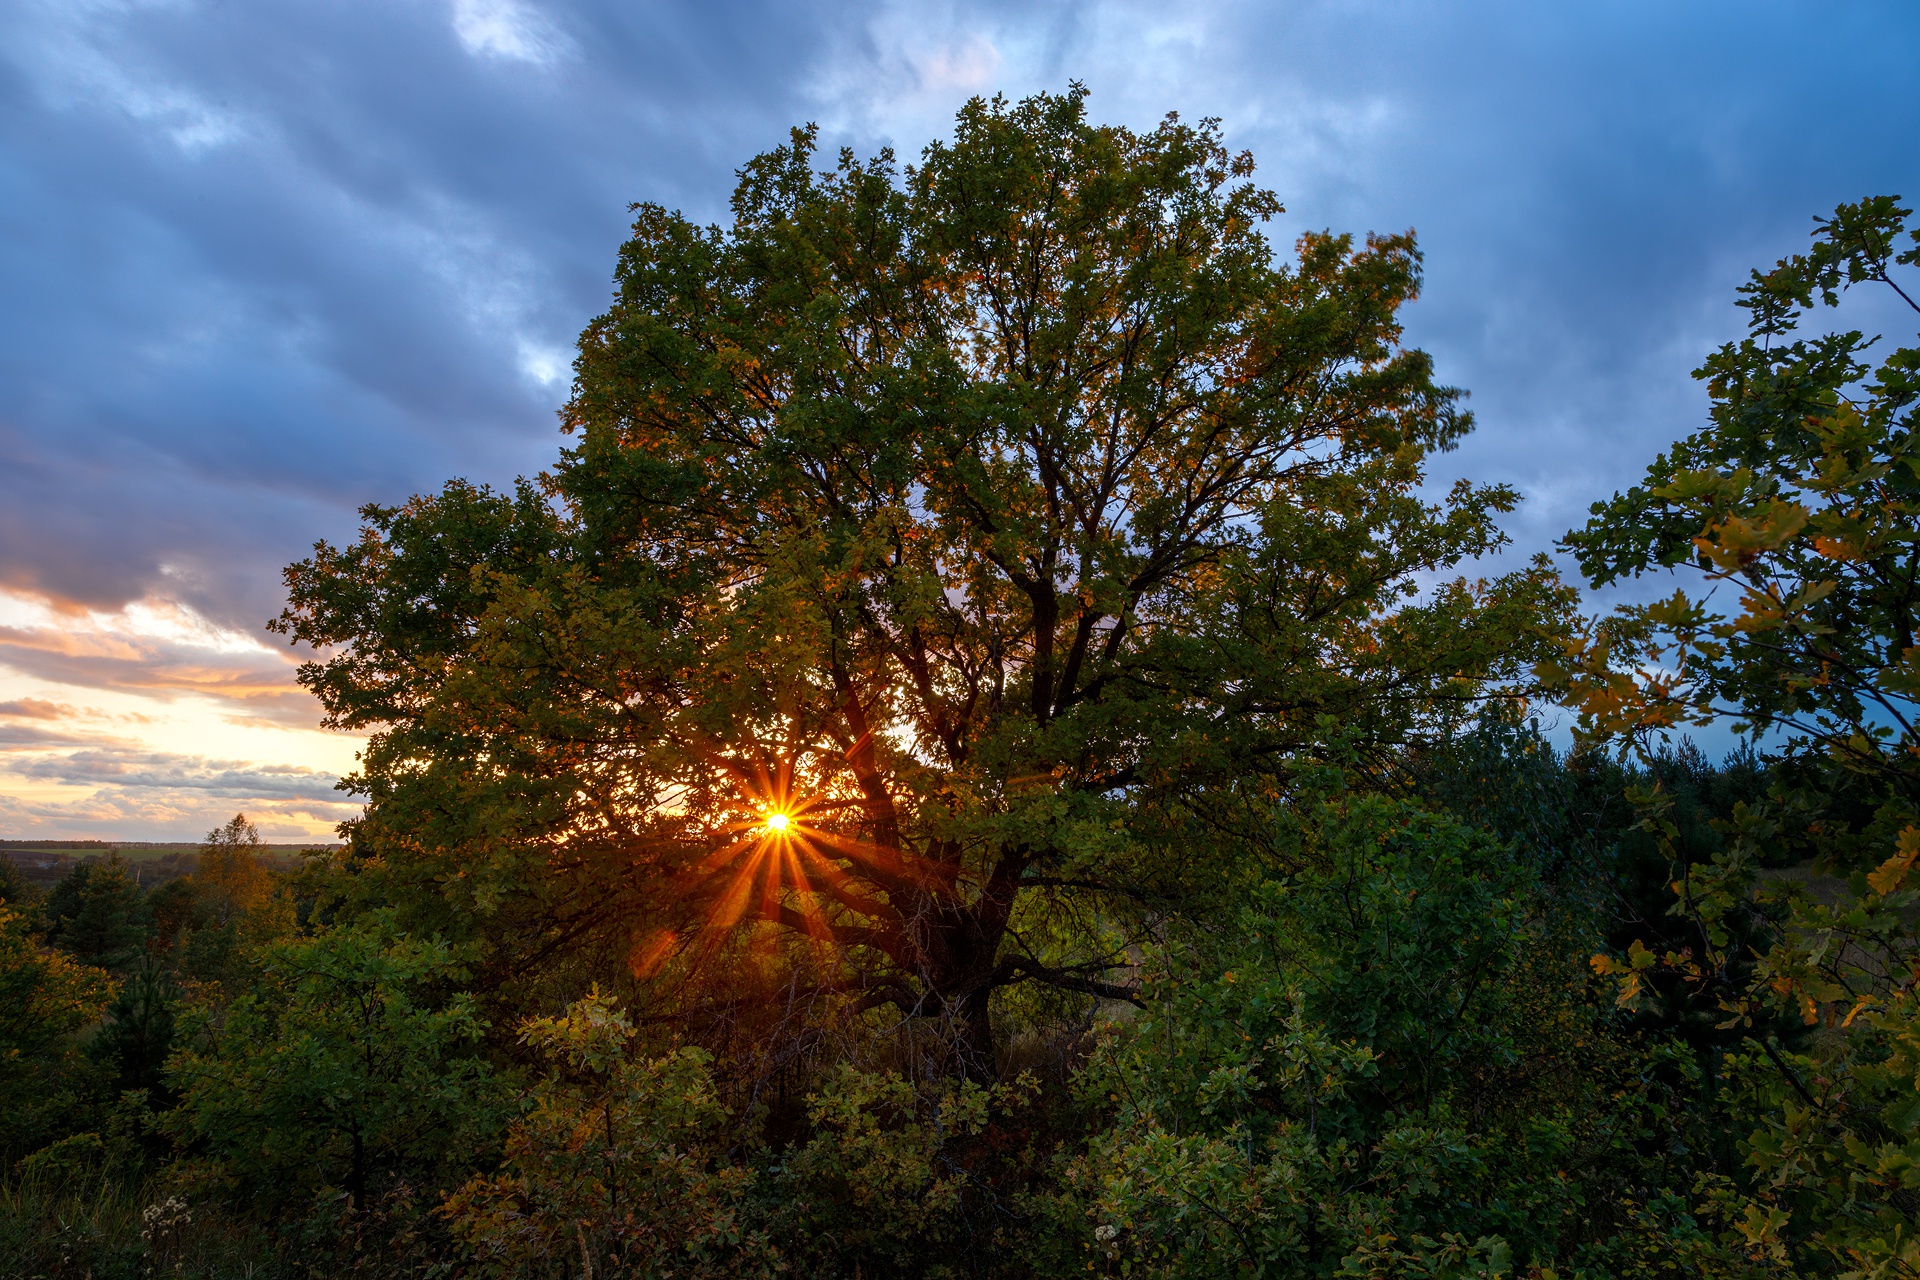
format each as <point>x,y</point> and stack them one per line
<point>262,263</point>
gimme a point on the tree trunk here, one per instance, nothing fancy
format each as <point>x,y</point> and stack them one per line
<point>960,946</point>
<point>357,1176</point>
<point>973,1039</point>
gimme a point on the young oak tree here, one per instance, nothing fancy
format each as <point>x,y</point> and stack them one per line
<point>946,555</point>
<point>1798,508</point>
<point>1799,504</point>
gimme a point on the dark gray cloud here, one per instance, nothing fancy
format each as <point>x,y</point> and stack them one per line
<point>1589,182</point>
<point>262,263</point>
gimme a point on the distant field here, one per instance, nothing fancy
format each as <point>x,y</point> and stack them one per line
<point>140,850</point>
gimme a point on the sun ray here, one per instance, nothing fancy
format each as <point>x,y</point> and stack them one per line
<point>817,924</point>
<point>774,861</point>
<point>732,903</point>
<point>647,956</point>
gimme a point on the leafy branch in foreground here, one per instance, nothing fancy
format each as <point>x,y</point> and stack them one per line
<point>1801,501</point>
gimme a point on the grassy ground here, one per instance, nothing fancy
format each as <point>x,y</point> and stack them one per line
<point>106,1230</point>
<point>100,1228</point>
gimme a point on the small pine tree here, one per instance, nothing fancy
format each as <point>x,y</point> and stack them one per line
<point>98,914</point>
<point>138,1032</point>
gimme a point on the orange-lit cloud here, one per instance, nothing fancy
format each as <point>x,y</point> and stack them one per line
<point>124,790</point>
<point>260,682</point>
<point>153,723</point>
<point>35,709</point>
<point>112,814</point>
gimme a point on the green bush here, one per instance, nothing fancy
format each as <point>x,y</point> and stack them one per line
<point>1389,1064</point>
<point>893,1180</point>
<point>46,1000</point>
<point>354,1058</point>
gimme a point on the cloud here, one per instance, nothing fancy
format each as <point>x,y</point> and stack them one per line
<point>154,649</point>
<point>966,65</point>
<point>29,724</point>
<point>262,683</point>
<point>71,71</point>
<point>549,366</point>
<point>16,736</point>
<point>134,769</point>
<point>62,779</point>
<point>370,284</point>
<point>125,790</point>
<point>508,29</point>
<point>35,709</point>
<point>184,816</point>
<point>118,789</point>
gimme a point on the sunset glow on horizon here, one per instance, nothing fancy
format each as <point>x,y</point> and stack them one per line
<point>153,723</point>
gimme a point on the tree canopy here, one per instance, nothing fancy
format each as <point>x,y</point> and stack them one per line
<point>945,552</point>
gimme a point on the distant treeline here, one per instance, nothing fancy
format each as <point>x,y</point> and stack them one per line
<point>47,863</point>
<point>184,846</point>
<point>57,844</point>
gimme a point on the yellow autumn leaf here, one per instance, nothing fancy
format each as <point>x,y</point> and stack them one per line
<point>1891,873</point>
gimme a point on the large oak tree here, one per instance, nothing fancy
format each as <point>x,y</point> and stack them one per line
<point>950,560</point>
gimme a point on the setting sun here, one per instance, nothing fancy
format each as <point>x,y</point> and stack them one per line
<point>778,822</point>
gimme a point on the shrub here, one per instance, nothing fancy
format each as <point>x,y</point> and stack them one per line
<point>1389,1065</point>
<point>617,1162</point>
<point>353,1056</point>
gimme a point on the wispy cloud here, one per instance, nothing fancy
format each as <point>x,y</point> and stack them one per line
<point>158,650</point>
<point>260,684</point>
<point>163,677</point>
<point>508,29</point>
<point>15,736</point>
<point>35,724</point>
<point>36,709</point>
<point>74,65</point>
<point>153,814</point>
<point>61,784</point>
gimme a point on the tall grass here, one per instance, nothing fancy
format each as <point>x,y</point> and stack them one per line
<point>99,1227</point>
